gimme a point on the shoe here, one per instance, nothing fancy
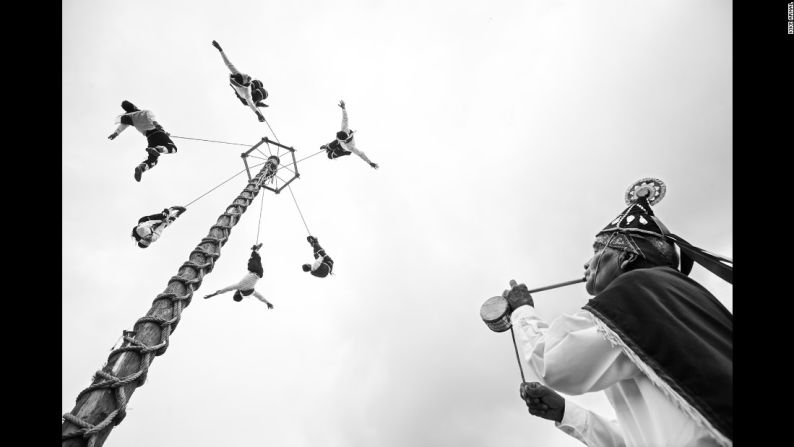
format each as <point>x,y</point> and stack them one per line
<point>261,104</point>
<point>138,172</point>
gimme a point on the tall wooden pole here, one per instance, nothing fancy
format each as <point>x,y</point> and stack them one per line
<point>102,405</point>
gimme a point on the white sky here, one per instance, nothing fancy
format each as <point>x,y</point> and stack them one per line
<point>507,133</point>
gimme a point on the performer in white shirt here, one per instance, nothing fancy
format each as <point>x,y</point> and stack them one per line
<point>149,228</point>
<point>158,139</point>
<point>245,286</point>
<point>248,90</point>
<point>323,264</point>
<point>344,144</point>
<point>656,342</point>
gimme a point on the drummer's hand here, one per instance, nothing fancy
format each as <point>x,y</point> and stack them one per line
<point>518,295</point>
<point>543,401</point>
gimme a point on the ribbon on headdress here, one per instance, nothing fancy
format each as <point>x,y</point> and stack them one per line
<point>631,229</point>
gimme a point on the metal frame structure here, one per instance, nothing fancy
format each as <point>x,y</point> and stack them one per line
<point>291,151</point>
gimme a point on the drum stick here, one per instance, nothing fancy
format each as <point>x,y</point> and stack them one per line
<point>521,368</point>
<point>539,289</point>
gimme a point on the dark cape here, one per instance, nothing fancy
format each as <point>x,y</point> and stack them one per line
<point>679,330</point>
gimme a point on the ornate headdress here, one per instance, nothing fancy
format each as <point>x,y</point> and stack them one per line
<point>634,229</point>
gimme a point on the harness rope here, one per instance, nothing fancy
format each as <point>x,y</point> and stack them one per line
<point>271,130</point>
<point>211,141</point>
<point>261,205</point>
<point>304,158</point>
<point>521,368</point>
<point>299,210</point>
<point>224,182</point>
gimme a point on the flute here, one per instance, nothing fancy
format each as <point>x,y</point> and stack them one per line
<point>561,284</point>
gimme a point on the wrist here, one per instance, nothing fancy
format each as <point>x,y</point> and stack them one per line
<point>523,302</point>
<point>515,304</point>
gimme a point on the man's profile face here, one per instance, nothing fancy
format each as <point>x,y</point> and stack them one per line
<point>602,268</point>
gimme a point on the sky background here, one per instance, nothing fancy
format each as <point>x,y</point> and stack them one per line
<point>507,133</point>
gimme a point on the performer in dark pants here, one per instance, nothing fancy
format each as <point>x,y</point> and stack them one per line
<point>323,264</point>
<point>245,287</point>
<point>150,227</point>
<point>345,144</point>
<point>248,90</point>
<point>158,139</point>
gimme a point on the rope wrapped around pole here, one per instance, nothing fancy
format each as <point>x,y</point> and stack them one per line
<point>101,406</point>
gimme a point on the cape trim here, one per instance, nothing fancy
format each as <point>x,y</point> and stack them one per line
<point>613,337</point>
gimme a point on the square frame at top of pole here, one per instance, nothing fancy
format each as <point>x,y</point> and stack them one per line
<point>292,167</point>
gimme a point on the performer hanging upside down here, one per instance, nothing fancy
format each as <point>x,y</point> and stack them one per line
<point>150,228</point>
<point>245,286</point>
<point>158,139</point>
<point>344,143</point>
<point>323,264</point>
<point>248,90</point>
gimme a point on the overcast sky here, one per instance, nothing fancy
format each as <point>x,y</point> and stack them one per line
<point>507,133</point>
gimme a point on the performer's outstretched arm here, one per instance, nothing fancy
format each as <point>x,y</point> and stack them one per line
<point>122,125</point>
<point>262,299</point>
<point>345,127</point>
<point>251,103</point>
<point>224,290</point>
<point>226,60</point>
<point>352,148</point>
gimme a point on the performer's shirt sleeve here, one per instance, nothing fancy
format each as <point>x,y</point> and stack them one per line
<point>570,355</point>
<point>260,297</point>
<point>250,100</point>
<point>344,122</point>
<point>235,286</point>
<point>229,64</point>
<point>120,128</point>
<point>351,146</point>
<point>590,428</point>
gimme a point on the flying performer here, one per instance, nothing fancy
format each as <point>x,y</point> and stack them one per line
<point>323,264</point>
<point>245,287</point>
<point>159,141</point>
<point>248,90</point>
<point>344,144</point>
<point>150,228</point>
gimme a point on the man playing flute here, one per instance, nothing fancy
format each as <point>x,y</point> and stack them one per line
<point>655,341</point>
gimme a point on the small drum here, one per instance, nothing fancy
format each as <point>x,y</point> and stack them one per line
<point>496,314</point>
